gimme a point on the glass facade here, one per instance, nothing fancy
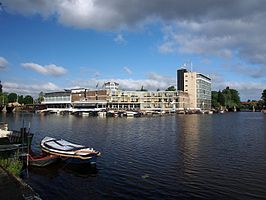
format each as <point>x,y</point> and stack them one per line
<point>203,92</point>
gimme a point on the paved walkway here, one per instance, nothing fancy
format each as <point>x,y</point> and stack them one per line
<point>15,189</point>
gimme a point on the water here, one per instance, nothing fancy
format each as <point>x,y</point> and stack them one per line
<point>220,156</point>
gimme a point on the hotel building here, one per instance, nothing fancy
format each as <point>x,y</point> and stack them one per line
<point>193,93</point>
<point>111,98</point>
<point>198,87</point>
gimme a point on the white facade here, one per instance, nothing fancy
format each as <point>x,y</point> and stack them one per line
<point>117,100</point>
<point>198,87</point>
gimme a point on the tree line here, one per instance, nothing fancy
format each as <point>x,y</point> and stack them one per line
<point>6,98</point>
<point>229,99</point>
<point>226,99</point>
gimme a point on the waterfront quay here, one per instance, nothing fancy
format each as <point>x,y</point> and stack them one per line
<point>12,188</point>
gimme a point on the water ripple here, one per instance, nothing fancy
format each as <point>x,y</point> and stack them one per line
<point>171,157</point>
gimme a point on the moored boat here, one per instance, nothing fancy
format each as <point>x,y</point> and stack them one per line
<point>4,132</point>
<point>13,140</point>
<point>131,113</point>
<point>68,151</point>
<point>41,160</point>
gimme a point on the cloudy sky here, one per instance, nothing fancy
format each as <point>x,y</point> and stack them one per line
<point>51,45</point>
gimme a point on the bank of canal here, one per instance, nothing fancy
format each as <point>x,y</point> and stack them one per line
<point>14,188</point>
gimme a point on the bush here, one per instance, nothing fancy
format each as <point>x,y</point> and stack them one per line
<point>13,165</point>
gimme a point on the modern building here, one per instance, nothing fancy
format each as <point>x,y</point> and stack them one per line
<point>198,87</point>
<point>1,90</point>
<point>180,79</point>
<point>85,99</point>
<point>58,100</point>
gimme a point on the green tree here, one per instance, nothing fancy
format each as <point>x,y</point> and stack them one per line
<point>171,88</point>
<point>260,104</point>
<point>12,97</point>
<point>263,97</point>
<point>215,102</point>
<point>231,98</point>
<point>3,98</point>
<point>28,100</point>
<point>227,97</point>
<point>235,97</point>
<point>221,98</point>
<point>20,99</point>
<point>40,97</point>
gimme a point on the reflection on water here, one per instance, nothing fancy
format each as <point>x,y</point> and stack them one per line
<point>54,170</point>
<point>170,157</point>
<point>188,144</point>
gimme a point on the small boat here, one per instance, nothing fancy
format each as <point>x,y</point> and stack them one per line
<point>73,153</point>
<point>41,160</point>
<point>4,132</point>
<point>12,140</point>
<point>131,114</point>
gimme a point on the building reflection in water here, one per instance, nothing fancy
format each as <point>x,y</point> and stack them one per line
<point>189,143</point>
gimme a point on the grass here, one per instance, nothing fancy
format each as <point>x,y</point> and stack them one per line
<point>12,164</point>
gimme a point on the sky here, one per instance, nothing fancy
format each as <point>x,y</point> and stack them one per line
<point>54,45</point>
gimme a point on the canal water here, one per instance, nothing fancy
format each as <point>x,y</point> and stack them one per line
<point>220,156</point>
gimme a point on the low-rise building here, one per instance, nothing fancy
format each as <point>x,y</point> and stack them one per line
<point>112,98</point>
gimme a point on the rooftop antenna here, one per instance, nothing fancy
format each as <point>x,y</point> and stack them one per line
<point>184,66</point>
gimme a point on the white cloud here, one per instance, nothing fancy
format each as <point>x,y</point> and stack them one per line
<point>222,28</point>
<point>32,89</point>
<point>129,71</point>
<point>102,14</point>
<point>46,69</point>
<point>3,63</point>
<point>152,82</point>
<point>240,38</point>
<point>120,39</point>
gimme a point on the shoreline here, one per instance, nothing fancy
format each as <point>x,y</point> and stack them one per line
<point>12,187</point>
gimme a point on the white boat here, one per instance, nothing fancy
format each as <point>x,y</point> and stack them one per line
<point>130,113</point>
<point>210,112</point>
<point>73,153</point>
<point>4,132</point>
<point>85,114</point>
<point>102,114</point>
<point>13,140</point>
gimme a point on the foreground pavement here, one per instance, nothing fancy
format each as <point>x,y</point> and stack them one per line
<point>12,188</point>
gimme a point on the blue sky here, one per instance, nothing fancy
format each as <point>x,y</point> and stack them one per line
<point>53,45</point>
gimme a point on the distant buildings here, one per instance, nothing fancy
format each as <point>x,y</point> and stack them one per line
<point>194,93</point>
